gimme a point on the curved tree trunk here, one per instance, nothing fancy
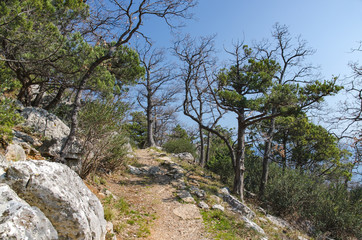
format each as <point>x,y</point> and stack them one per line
<point>39,96</point>
<point>56,99</point>
<point>25,93</point>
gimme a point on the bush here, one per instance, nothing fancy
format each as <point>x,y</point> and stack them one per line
<point>220,163</point>
<point>180,145</point>
<point>253,170</point>
<point>330,206</point>
<point>101,134</point>
<point>8,119</point>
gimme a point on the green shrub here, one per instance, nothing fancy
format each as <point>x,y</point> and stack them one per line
<point>180,145</point>
<point>221,164</point>
<point>8,119</point>
<point>330,206</point>
<point>102,136</point>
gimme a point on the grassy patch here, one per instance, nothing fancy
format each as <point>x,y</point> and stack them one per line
<point>127,221</point>
<point>98,180</point>
<point>224,226</point>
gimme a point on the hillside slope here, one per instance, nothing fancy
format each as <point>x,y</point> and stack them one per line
<point>151,201</point>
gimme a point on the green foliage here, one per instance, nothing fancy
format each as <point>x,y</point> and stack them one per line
<point>220,162</point>
<point>180,145</point>
<point>178,132</point>
<point>331,207</point>
<point>223,226</point>
<point>102,135</point>
<point>253,171</point>
<point>108,214</point>
<point>137,129</point>
<point>310,147</point>
<point>179,142</point>
<point>240,86</point>
<point>120,213</point>
<point>8,119</point>
<point>8,82</point>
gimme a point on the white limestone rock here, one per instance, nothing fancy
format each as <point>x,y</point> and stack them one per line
<point>18,220</point>
<point>219,207</point>
<point>215,199</point>
<point>203,205</point>
<point>134,170</point>
<point>45,123</point>
<point>14,152</point>
<point>184,156</point>
<point>75,212</point>
<point>237,205</point>
<point>252,225</point>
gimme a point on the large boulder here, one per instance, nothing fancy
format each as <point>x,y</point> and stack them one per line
<point>45,123</point>
<point>75,212</point>
<point>55,133</point>
<point>18,220</point>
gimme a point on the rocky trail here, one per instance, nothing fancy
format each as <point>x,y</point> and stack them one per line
<point>160,200</point>
<point>152,190</point>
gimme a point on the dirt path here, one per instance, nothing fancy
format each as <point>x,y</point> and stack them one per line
<point>155,196</point>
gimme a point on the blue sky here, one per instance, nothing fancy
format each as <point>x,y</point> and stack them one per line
<point>332,27</point>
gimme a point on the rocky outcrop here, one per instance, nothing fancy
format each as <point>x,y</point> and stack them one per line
<point>53,132</point>
<point>278,222</point>
<point>236,205</point>
<point>252,225</point>
<point>18,220</point>
<point>74,211</point>
<point>196,191</point>
<point>44,123</point>
<point>154,170</point>
<point>184,156</point>
<point>23,137</point>
<point>203,205</point>
<point>218,207</point>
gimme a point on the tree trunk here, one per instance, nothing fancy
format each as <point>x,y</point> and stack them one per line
<point>56,99</point>
<point>240,159</point>
<point>150,121</point>
<point>25,93</point>
<point>207,154</point>
<point>266,157</point>
<point>39,96</point>
<point>76,106</point>
<point>74,124</point>
<point>201,135</point>
<point>284,155</point>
